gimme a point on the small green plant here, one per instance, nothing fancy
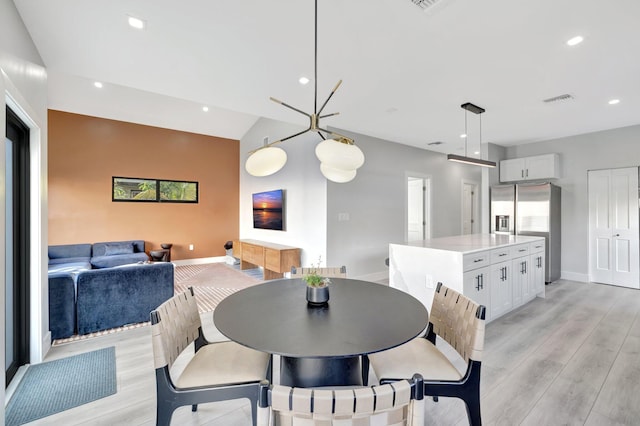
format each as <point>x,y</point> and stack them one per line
<point>314,279</point>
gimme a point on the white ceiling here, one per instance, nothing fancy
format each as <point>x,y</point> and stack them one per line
<point>405,72</point>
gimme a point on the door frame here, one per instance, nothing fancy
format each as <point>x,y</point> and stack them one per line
<point>475,226</point>
<point>39,335</point>
<point>20,232</point>
<point>427,203</point>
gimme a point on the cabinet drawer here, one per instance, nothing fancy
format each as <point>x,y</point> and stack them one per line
<point>500,255</point>
<point>272,260</point>
<point>253,254</point>
<point>536,247</point>
<point>475,260</point>
<point>520,250</point>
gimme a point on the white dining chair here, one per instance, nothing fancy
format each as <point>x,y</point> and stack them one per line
<point>399,403</point>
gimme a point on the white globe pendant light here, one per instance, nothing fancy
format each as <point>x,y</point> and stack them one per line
<point>266,161</point>
<point>337,175</point>
<point>340,155</point>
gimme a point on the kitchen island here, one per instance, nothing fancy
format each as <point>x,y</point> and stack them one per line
<point>501,272</point>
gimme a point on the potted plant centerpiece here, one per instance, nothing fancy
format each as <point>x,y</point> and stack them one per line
<point>317,287</point>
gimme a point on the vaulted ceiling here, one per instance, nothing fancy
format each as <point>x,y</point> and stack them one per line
<point>405,71</point>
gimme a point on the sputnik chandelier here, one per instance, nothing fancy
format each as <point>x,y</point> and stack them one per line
<point>339,156</point>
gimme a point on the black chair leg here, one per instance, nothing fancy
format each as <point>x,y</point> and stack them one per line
<point>194,408</point>
<point>472,403</point>
<point>435,399</point>
<point>364,364</point>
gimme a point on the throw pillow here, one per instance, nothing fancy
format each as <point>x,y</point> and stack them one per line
<point>111,249</point>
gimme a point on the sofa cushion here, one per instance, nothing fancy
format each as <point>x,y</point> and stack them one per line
<point>111,249</point>
<point>69,250</point>
<point>70,260</point>
<point>100,249</point>
<point>70,267</point>
<point>117,260</point>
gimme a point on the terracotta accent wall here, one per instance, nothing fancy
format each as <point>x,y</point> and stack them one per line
<point>86,152</point>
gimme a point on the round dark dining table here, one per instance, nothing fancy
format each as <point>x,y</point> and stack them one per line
<point>320,345</point>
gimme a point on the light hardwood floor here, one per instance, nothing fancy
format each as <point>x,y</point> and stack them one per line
<point>572,358</point>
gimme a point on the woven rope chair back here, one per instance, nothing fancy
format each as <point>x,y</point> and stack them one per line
<point>389,405</point>
<point>454,319</point>
<point>340,272</point>
<point>178,327</point>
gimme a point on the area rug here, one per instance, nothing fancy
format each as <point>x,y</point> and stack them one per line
<point>55,386</point>
<point>211,283</point>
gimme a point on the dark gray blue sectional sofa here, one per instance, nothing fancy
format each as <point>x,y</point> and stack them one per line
<point>104,285</point>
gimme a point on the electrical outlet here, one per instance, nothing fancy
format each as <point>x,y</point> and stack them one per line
<point>191,247</point>
<point>429,281</point>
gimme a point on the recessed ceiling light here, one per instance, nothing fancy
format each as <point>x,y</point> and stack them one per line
<point>136,23</point>
<point>477,152</point>
<point>303,80</point>
<point>205,108</point>
<point>464,135</point>
<point>614,101</point>
<point>575,40</point>
<point>98,84</point>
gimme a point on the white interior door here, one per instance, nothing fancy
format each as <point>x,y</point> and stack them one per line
<point>469,203</point>
<point>418,192</point>
<point>614,227</point>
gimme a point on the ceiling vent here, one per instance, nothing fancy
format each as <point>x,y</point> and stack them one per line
<point>426,4</point>
<point>564,97</point>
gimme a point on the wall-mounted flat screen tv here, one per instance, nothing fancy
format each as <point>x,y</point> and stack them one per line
<point>268,210</point>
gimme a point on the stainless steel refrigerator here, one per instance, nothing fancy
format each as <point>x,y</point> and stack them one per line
<point>530,209</point>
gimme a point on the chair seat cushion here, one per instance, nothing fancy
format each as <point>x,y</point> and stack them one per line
<point>223,363</point>
<point>416,356</point>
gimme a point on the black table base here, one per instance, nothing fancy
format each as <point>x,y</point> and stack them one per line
<point>317,372</point>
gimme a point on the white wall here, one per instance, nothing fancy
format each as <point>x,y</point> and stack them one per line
<point>600,150</point>
<point>375,200</point>
<point>376,203</point>
<point>24,80</point>
<point>305,191</point>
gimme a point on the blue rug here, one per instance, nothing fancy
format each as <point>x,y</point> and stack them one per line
<point>51,387</point>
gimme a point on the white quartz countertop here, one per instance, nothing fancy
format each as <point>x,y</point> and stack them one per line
<point>473,242</point>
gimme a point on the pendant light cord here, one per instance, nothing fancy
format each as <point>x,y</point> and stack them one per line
<point>315,61</point>
<point>466,134</point>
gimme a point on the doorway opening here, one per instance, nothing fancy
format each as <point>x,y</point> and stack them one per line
<point>418,208</point>
<point>17,250</point>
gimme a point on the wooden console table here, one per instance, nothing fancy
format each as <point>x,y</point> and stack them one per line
<point>276,259</point>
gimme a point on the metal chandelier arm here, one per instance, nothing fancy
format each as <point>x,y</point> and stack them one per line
<point>330,95</point>
<point>289,106</point>
<point>292,136</point>
<point>329,115</point>
<point>338,137</point>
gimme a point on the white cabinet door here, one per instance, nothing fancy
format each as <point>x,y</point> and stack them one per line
<point>520,270</point>
<point>501,289</point>
<point>530,168</point>
<point>613,227</point>
<point>536,281</point>
<point>476,287</point>
<point>512,170</point>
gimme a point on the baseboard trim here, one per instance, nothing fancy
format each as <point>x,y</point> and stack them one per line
<point>376,276</point>
<point>574,276</point>
<point>199,261</point>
